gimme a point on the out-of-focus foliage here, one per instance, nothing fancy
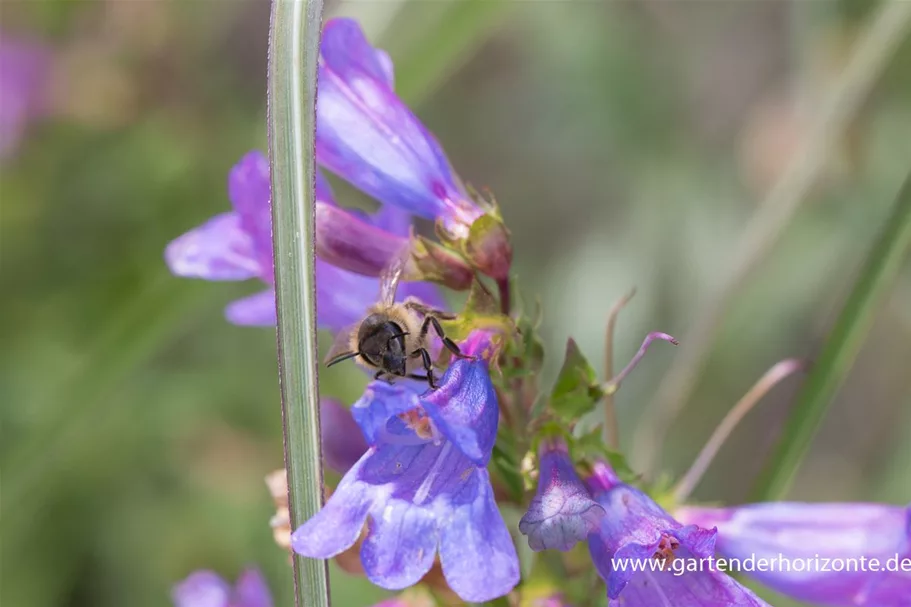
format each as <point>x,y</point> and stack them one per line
<point>627,143</point>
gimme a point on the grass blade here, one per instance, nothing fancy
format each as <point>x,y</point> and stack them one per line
<point>840,350</point>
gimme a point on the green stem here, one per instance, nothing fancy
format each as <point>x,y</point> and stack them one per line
<point>840,350</point>
<point>293,52</point>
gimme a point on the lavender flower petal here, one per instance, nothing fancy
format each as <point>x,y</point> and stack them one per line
<point>217,250</point>
<point>249,190</point>
<point>400,545</point>
<point>257,310</point>
<point>478,557</point>
<point>208,589</point>
<point>636,528</point>
<point>24,73</point>
<point>202,589</point>
<point>562,512</point>
<point>337,526</point>
<point>464,408</point>
<point>251,590</point>
<point>366,134</point>
<point>380,402</point>
<point>789,532</point>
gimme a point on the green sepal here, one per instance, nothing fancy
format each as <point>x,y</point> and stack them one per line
<point>590,447</point>
<point>481,311</point>
<point>577,389</point>
<point>506,467</point>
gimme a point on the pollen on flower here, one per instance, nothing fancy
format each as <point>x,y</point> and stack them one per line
<point>666,548</point>
<point>417,420</point>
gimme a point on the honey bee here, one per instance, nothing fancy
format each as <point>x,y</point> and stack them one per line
<point>393,337</point>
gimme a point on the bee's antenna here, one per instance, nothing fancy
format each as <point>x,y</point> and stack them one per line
<point>341,357</point>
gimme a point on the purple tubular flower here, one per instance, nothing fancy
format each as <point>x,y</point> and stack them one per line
<point>368,136</point>
<point>24,71</point>
<point>238,246</point>
<point>562,512</point>
<point>422,488</point>
<point>636,529</point>
<point>208,589</point>
<point>798,534</point>
<point>341,437</point>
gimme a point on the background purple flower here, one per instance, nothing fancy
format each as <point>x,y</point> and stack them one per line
<point>422,488</point>
<point>368,136</point>
<point>238,246</point>
<point>342,441</point>
<point>208,589</point>
<point>805,532</point>
<point>24,71</point>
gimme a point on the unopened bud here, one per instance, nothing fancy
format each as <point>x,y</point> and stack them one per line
<point>488,247</point>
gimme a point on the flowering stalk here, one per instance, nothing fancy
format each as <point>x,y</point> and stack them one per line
<point>293,51</point>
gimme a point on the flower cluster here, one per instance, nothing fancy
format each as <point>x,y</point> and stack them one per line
<point>426,467</point>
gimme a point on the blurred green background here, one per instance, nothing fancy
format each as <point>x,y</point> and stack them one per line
<point>628,143</point>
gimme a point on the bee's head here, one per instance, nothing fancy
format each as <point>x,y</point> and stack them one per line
<point>381,342</point>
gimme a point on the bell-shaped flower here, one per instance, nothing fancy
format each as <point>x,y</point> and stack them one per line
<point>237,245</point>
<point>644,555</point>
<point>208,589</point>
<point>423,488</point>
<point>24,73</point>
<point>562,512</point>
<point>368,136</point>
<point>826,554</point>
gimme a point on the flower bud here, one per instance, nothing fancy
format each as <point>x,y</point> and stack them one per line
<point>488,247</point>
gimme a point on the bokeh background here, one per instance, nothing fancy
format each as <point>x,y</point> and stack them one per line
<point>629,144</point>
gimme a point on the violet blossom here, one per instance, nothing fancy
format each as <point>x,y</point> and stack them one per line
<point>24,73</point>
<point>636,529</point>
<point>832,545</point>
<point>237,245</point>
<point>423,486</point>
<point>208,589</point>
<point>562,512</point>
<point>368,136</point>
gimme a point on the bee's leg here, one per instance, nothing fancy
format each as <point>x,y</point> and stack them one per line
<point>450,345</point>
<point>428,365</point>
<point>424,310</point>
<point>382,375</point>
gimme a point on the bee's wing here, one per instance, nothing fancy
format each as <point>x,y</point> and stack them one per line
<point>341,346</point>
<point>392,274</point>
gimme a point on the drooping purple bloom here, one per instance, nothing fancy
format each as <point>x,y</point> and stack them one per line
<point>208,589</point>
<point>636,530</point>
<point>813,537</point>
<point>24,72</point>
<point>368,136</point>
<point>423,488</point>
<point>238,246</point>
<point>562,511</point>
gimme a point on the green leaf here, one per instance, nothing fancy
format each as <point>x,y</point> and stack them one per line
<point>840,350</point>
<point>577,390</point>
